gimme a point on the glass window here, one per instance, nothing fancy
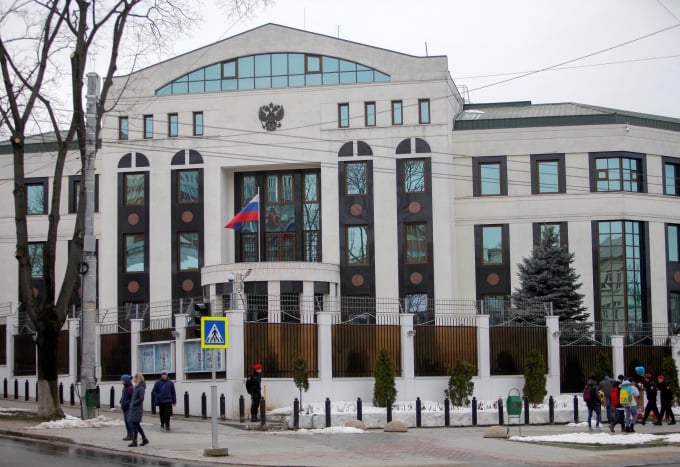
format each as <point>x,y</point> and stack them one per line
<point>313,64</point>
<point>279,64</point>
<point>544,230</point>
<point>263,65</point>
<point>173,125</point>
<point>355,178</point>
<point>357,245</point>
<point>343,115</point>
<point>548,176</point>
<point>424,111</point>
<point>75,195</point>
<point>36,253</point>
<point>671,178</point>
<point>198,124</point>
<point>148,126</point>
<point>414,175</point>
<point>123,127</point>
<point>369,113</point>
<point>187,184</point>
<point>618,174</point>
<point>133,189</point>
<point>188,245</point>
<point>246,67</point>
<point>674,311</point>
<point>673,239</point>
<point>492,244</point>
<point>490,179</point>
<point>229,69</point>
<point>397,113</point>
<point>416,243</point>
<point>36,194</point>
<point>134,252</point>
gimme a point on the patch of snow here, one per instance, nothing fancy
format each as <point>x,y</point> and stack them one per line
<point>333,430</point>
<point>75,422</point>
<point>592,438</point>
<point>12,411</point>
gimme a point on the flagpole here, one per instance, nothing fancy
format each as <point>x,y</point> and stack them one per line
<point>259,228</point>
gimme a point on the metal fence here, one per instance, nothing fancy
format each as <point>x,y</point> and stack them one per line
<point>439,347</point>
<point>646,334</point>
<point>278,345</point>
<point>115,355</point>
<point>510,346</point>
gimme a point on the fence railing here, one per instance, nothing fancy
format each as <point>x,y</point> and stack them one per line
<point>599,333</point>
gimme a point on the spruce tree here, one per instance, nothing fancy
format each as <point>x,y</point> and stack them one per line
<point>548,276</point>
<point>670,372</point>
<point>603,366</point>
<point>384,380</point>
<point>460,383</point>
<point>534,377</point>
<point>301,375</point>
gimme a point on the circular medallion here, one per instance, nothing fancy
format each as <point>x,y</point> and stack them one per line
<point>416,278</point>
<point>187,216</point>
<point>493,279</point>
<point>414,207</point>
<point>676,277</point>
<point>133,219</point>
<point>187,285</point>
<point>357,280</point>
<point>133,287</point>
<point>356,210</point>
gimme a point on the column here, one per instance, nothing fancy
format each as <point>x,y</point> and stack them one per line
<point>274,301</point>
<point>325,348</point>
<point>73,343</point>
<point>180,336</point>
<point>483,359</point>
<point>617,356</point>
<point>136,326</point>
<point>408,367</point>
<point>675,349</point>
<point>235,365</point>
<point>553,330</point>
<point>307,303</point>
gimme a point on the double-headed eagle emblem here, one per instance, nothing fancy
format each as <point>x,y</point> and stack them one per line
<point>271,116</point>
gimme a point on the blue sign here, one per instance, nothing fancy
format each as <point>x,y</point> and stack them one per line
<point>214,332</point>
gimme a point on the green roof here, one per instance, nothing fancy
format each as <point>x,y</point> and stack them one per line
<point>524,114</point>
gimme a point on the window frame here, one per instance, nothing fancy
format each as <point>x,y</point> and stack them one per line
<point>536,160</point>
<point>538,232</point>
<point>198,130</point>
<point>123,134</point>
<point>424,118</point>
<point>179,250</point>
<point>30,255</point>
<point>178,174</point>
<point>366,250</point>
<point>397,107</point>
<point>148,126</point>
<point>344,177</point>
<point>125,191</point>
<point>37,182</point>
<point>74,193</point>
<point>477,163</point>
<point>403,163</point>
<point>482,228</point>
<point>342,108</point>
<point>641,174</point>
<point>669,242</point>
<point>424,258</point>
<point>367,106</point>
<point>173,125</point>
<point>126,252</point>
<point>675,163</point>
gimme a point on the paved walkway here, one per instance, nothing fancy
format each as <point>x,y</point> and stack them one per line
<point>417,447</point>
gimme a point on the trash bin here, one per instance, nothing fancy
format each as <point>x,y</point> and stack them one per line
<point>514,406</point>
<point>92,398</point>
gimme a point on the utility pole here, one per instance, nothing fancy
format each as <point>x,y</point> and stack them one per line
<point>88,375</point>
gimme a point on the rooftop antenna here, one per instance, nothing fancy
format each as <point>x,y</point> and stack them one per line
<point>338,31</point>
<point>304,19</point>
<point>426,54</point>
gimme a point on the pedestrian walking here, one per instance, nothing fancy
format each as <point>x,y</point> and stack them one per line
<point>628,395</point>
<point>254,388</point>
<point>606,387</point>
<point>165,399</point>
<point>666,396</point>
<point>125,399</point>
<point>591,395</point>
<point>617,408</point>
<point>137,410</point>
<point>651,390</point>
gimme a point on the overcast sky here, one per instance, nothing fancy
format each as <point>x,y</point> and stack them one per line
<point>493,37</point>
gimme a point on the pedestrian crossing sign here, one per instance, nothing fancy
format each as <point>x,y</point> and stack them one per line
<point>214,332</point>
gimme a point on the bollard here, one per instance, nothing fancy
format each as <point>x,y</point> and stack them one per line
<point>16,388</point>
<point>526,410</point>
<point>112,396</point>
<point>4,388</point>
<point>388,405</point>
<point>418,413</point>
<point>36,391</point>
<point>72,395</point>
<point>26,390</point>
<point>447,412</point>
<point>186,404</point>
<point>551,410</point>
<point>474,411</point>
<point>360,409</point>
<point>328,412</point>
<point>263,412</point>
<point>501,420</point>
<point>223,408</point>
<point>98,392</point>
<point>296,413</point>
<point>204,406</point>
<point>153,404</point>
<point>241,409</point>
<point>61,393</point>
<point>575,408</point>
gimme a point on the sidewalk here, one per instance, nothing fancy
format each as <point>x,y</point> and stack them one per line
<point>417,447</point>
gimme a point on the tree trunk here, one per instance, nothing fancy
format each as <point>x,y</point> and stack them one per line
<point>49,406</point>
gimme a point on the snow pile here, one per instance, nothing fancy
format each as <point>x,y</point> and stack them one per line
<point>333,430</point>
<point>13,412</point>
<point>75,422</point>
<point>593,438</point>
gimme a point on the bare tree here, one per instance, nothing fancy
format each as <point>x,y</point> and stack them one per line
<point>33,36</point>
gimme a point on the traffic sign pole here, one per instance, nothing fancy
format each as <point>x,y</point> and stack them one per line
<point>214,336</point>
<point>213,399</point>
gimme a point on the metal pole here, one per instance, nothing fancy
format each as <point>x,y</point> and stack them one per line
<point>213,399</point>
<point>89,266</point>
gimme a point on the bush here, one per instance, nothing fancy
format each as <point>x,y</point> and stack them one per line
<point>460,383</point>
<point>534,377</point>
<point>603,366</point>
<point>301,375</point>
<point>670,371</point>
<point>384,380</point>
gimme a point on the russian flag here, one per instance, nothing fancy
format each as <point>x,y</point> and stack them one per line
<point>250,212</point>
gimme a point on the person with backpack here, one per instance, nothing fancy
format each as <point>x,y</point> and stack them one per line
<point>606,387</point>
<point>591,395</point>
<point>666,396</point>
<point>628,395</point>
<point>253,386</point>
<point>617,408</point>
<point>125,398</point>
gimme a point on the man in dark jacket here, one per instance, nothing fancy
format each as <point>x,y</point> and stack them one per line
<point>666,396</point>
<point>254,388</point>
<point>594,403</point>
<point>651,391</point>
<point>606,386</point>
<point>125,399</point>
<point>164,398</point>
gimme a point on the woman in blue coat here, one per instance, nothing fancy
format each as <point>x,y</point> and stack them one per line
<point>137,410</point>
<point>125,399</point>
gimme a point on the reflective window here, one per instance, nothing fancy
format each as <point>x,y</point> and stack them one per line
<point>187,186</point>
<point>546,229</point>
<point>548,176</point>
<point>311,218</point>
<point>414,175</point>
<point>490,178</point>
<point>369,113</point>
<point>278,70</point>
<point>134,252</point>
<point>416,243</point>
<point>123,128</point>
<point>343,115</point>
<point>36,202</point>
<point>173,125</point>
<point>133,189</point>
<point>397,117</point>
<point>188,245</point>
<point>148,126</point>
<point>36,253</point>
<point>198,123</point>
<point>673,241</point>
<point>279,208</point>
<point>671,178</point>
<point>618,174</point>
<point>674,311</point>
<point>492,244</point>
<point>424,111</point>
<point>355,178</point>
<point>357,245</point>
